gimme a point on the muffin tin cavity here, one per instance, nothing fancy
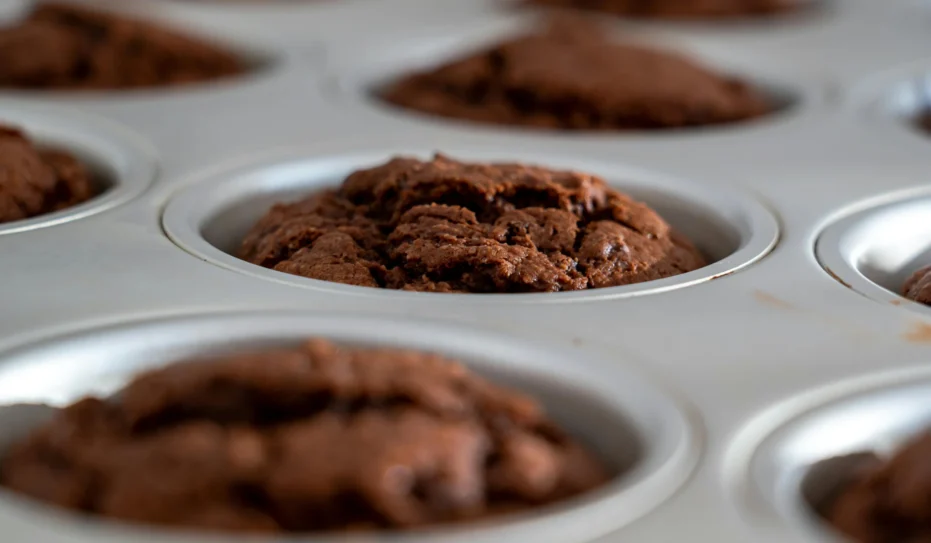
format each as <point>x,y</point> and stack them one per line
<point>121,163</point>
<point>876,250</point>
<point>794,473</point>
<point>705,12</point>
<point>636,429</point>
<point>910,102</point>
<point>76,49</point>
<point>211,218</point>
<point>898,97</point>
<point>361,77</point>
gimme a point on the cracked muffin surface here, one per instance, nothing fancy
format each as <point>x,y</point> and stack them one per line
<point>675,9</point>
<point>569,76</point>
<point>70,47</point>
<point>448,226</point>
<point>312,438</point>
<point>887,502</point>
<point>918,286</point>
<point>36,181</point>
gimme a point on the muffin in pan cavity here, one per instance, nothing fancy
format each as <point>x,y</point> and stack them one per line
<point>37,181</point>
<point>516,225</point>
<point>259,2</point>
<point>901,93</point>
<point>883,250</point>
<point>569,74</point>
<point>304,439</point>
<point>60,165</point>
<point>679,9</point>
<point>923,121</point>
<point>918,286</point>
<point>843,463</point>
<point>886,501</point>
<point>287,422</point>
<point>922,117</point>
<point>442,225</point>
<point>69,46</point>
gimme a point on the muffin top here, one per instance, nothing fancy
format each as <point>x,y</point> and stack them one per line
<point>448,226</point>
<point>36,181</point>
<point>312,438</point>
<point>71,47</point>
<point>888,502</point>
<point>570,76</point>
<point>676,9</point>
<point>918,286</point>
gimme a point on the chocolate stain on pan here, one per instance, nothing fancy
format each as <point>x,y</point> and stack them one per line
<point>724,274</point>
<point>920,332</point>
<point>838,279</point>
<point>770,300</point>
<point>859,332</point>
<point>846,284</point>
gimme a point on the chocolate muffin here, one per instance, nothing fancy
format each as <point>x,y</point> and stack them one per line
<point>311,438</point>
<point>569,78</point>
<point>448,226</point>
<point>65,46</point>
<point>923,121</point>
<point>889,501</point>
<point>675,9</point>
<point>918,286</point>
<point>36,181</point>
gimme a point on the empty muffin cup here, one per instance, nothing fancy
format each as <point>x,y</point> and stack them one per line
<point>644,441</point>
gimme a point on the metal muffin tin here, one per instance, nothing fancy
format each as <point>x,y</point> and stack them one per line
<point>791,349</point>
<point>789,474</point>
<point>644,435</point>
<point>211,218</point>
<point>122,163</point>
<point>876,250</point>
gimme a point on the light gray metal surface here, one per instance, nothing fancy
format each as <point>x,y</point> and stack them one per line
<point>771,349</point>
